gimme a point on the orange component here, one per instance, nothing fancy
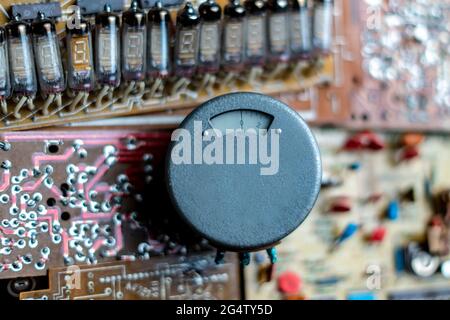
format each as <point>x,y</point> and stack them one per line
<point>412,139</point>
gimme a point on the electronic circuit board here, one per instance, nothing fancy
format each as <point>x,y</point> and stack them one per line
<point>193,278</point>
<point>403,61</point>
<point>363,187</point>
<point>301,85</point>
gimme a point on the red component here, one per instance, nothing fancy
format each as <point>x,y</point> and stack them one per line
<point>341,205</point>
<point>353,143</point>
<point>289,283</point>
<point>378,234</point>
<point>409,153</point>
<point>364,140</point>
<point>375,142</point>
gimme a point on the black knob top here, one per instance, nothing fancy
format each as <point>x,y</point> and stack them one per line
<point>188,16</point>
<point>210,11</point>
<point>255,7</point>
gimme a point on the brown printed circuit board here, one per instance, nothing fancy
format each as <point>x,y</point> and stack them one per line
<point>74,198</point>
<point>313,85</point>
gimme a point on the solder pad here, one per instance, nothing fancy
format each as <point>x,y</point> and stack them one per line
<point>80,197</point>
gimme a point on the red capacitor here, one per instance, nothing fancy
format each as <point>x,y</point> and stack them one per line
<point>289,283</point>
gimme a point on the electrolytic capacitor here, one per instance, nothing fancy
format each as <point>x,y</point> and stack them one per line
<point>301,32</point>
<point>233,37</point>
<point>278,25</point>
<point>48,57</point>
<point>256,32</point>
<point>80,75</point>
<point>107,53</point>
<point>134,43</point>
<point>187,41</point>
<point>323,26</point>
<point>5,85</point>
<point>209,47</point>
<point>23,76</point>
<point>158,42</point>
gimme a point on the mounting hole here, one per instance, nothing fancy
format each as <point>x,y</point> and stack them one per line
<point>51,202</point>
<point>53,148</point>
<point>65,216</point>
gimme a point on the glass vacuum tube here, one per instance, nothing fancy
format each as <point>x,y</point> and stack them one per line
<point>134,43</point>
<point>158,43</point>
<point>186,41</point>
<point>323,26</point>
<point>107,53</point>
<point>23,76</point>
<point>233,38</point>
<point>5,85</point>
<point>209,46</point>
<point>80,76</point>
<point>49,67</point>
<point>301,29</point>
<point>278,25</point>
<point>256,32</point>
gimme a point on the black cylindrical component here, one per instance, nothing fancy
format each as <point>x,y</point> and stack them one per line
<point>5,80</point>
<point>210,30</point>
<point>107,49</point>
<point>278,33</point>
<point>158,42</point>
<point>49,66</point>
<point>80,75</point>
<point>134,43</point>
<point>256,32</point>
<point>323,26</point>
<point>233,38</point>
<point>187,41</point>
<point>21,61</point>
<point>301,31</point>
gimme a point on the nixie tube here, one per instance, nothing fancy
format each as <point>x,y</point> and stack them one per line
<point>134,43</point>
<point>209,46</point>
<point>21,61</point>
<point>80,76</point>
<point>107,53</point>
<point>186,41</point>
<point>158,43</point>
<point>278,30</point>
<point>323,26</point>
<point>256,32</point>
<point>301,29</point>
<point>5,84</point>
<point>47,55</point>
<point>233,37</point>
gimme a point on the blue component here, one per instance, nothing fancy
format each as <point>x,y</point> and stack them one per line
<point>393,210</point>
<point>361,296</point>
<point>355,166</point>
<point>272,252</point>
<point>331,281</point>
<point>399,260</point>
<point>348,232</point>
<point>259,258</point>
